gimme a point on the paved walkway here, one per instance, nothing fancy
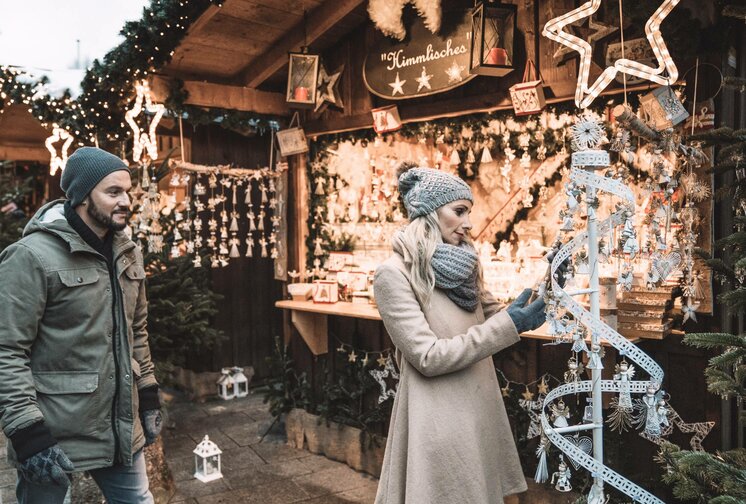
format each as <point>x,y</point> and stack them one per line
<point>255,470</point>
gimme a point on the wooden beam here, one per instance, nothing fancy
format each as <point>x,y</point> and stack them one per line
<point>24,153</point>
<point>203,19</point>
<point>319,21</point>
<point>206,94</point>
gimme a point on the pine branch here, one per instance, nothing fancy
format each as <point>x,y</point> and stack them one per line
<point>715,340</point>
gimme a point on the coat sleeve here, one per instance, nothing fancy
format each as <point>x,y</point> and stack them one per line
<point>141,347</point>
<point>411,333</point>
<point>490,306</point>
<point>23,298</point>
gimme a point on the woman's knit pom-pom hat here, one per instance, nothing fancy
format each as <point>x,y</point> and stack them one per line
<point>424,190</point>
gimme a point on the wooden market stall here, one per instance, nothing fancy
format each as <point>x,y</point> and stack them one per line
<point>254,37</point>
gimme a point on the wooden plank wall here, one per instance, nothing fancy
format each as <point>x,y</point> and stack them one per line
<point>247,313</point>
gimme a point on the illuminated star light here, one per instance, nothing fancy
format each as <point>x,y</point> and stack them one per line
<point>142,140</point>
<point>584,94</point>
<point>58,162</point>
<point>424,80</point>
<point>454,72</point>
<point>397,85</point>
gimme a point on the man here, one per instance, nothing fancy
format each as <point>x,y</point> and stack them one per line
<point>77,390</point>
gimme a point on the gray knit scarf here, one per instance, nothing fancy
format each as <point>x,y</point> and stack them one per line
<point>456,272</point>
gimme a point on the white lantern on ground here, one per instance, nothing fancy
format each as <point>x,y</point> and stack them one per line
<point>240,382</point>
<point>207,461</point>
<point>226,385</point>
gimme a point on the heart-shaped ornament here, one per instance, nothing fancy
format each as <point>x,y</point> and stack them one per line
<point>584,443</point>
<point>666,264</point>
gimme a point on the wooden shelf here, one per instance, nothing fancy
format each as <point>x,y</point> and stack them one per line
<point>310,319</point>
<point>341,309</point>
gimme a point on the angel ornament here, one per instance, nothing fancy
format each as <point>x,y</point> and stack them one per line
<point>574,370</point>
<point>562,477</point>
<point>560,414</point>
<point>623,373</point>
<point>650,411</point>
<point>578,339</point>
<point>595,356</point>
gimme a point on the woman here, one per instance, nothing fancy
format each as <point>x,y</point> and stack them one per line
<point>449,440</point>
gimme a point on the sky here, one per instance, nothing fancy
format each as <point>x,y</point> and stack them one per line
<point>43,33</point>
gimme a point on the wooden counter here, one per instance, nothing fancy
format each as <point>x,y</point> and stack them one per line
<point>310,319</point>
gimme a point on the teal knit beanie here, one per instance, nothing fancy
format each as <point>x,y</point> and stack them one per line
<point>424,189</point>
<point>85,169</point>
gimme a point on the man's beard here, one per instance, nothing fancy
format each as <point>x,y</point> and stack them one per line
<point>104,220</point>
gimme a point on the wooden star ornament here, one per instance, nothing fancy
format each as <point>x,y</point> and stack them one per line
<point>327,92</point>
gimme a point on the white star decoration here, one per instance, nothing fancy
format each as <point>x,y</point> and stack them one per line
<point>690,310</point>
<point>397,85</point>
<point>143,140</point>
<point>585,94</point>
<point>58,162</point>
<point>454,72</point>
<point>328,89</point>
<point>423,80</point>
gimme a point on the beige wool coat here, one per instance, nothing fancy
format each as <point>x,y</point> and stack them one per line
<point>449,440</point>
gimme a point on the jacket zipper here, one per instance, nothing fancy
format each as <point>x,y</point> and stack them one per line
<point>114,336</point>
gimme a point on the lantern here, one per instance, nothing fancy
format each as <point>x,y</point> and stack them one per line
<point>492,29</point>
<point>226,385</point>
<point>207,461</point>
<point>240,382</point>
<point>303,73</point>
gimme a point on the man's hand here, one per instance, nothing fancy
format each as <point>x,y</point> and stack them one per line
<point>527,317</point>
<point>152,422</point>
<point>47,467</point>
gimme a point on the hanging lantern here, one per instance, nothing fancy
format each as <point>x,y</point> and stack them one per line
<point>226,385</point>
<point>303,74</point>
<point>240,382</point>
<point>492,29</point>
<point>207,461</point>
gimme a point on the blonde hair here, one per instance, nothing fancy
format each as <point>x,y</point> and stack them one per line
<point>419,238</point>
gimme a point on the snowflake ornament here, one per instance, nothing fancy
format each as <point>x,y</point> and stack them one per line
<point>587,132</point>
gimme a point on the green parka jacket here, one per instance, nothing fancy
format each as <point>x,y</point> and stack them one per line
<point>67,356</point>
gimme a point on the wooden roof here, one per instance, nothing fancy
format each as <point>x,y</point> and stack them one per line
<point>245,43</point>
<point>21,135</point>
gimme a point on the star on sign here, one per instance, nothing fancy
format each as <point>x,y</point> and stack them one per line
<point>423,80</point>
<point>397,86</point>
<point>454,72</point>
<point>585,94</point>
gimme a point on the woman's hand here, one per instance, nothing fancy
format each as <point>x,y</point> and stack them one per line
<point>527,317</point>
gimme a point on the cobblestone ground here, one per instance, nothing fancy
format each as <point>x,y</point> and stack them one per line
<point>255,470</point>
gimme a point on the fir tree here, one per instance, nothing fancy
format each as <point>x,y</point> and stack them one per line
<point>12,218</point>
<point>697,476</point>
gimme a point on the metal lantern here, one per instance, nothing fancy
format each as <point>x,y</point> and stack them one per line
<point>492,29</point>
<point>207,466</point>
<point>240,382</point>
<point>226,385</point>
<point>303,74</point>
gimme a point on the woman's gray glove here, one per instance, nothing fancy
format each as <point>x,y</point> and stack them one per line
<point>152,422</point>
<point>47,467</point>
<point>527,317</point>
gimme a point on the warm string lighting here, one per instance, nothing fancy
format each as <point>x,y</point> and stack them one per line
<point>58,162</point>
<point>585,94</point>
<point>142,140</point>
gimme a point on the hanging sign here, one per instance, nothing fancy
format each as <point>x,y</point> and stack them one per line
<point>424,63</point>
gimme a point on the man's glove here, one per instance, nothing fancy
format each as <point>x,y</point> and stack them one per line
<point>527,317</point>
<point>150,413</point>
<point>152,422</point>
<point>47,467</point>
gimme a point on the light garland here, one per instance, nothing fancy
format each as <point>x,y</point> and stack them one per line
<point>585,94</point>
<point>144,141</point>
<point>58,162</point>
